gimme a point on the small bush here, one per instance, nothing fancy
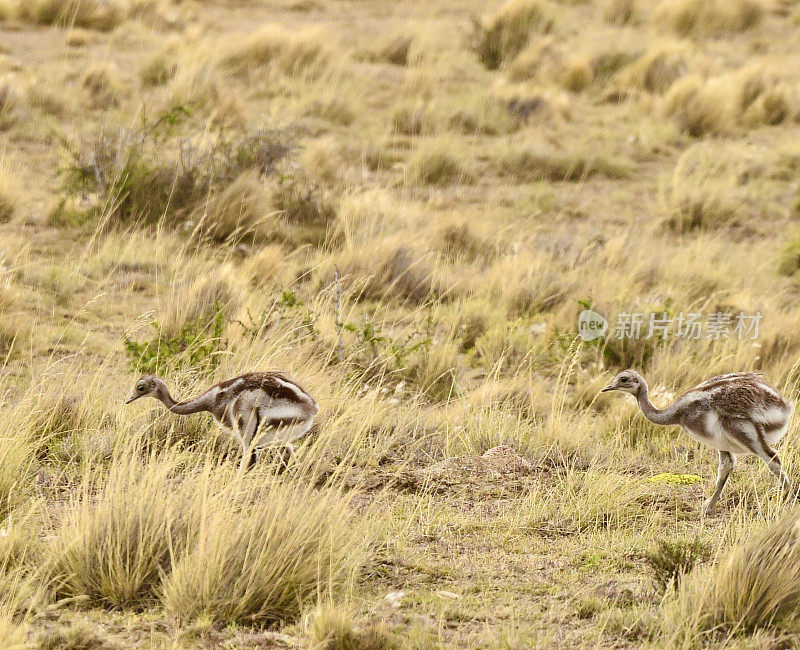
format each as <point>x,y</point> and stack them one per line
<point>709,17</point>
<point>146,176</point>
<point>505,34</point>
<point>197,345</point>
<point>671,560</point>
<point>259,563</point>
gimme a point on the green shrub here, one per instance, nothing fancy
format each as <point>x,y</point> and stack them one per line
<point>197,345</point>
<point>671,560</point>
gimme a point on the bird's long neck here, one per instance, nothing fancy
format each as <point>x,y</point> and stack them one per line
<point>186,407</point>
<point>655,415</point>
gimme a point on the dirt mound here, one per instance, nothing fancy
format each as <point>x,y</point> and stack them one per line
<point>498,462</point>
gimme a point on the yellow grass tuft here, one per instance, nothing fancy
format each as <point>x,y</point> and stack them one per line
<point>114,548</point>
<point>709,17</point>
<point>620,12</point>
<point>658,67</point>
<point>503,35</point>
<point>754,586</point>
<point>100,15</point>
<point>261,555</point>
<point>293,53</point>
<point>699,106</point>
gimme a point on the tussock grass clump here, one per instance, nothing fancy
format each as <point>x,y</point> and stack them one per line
<point>709,17</point>
<point>388,270</point>
<point>260,558</point>
<point>160,68</point>
<point>755,586</point>
<point>547,61</point>
<point>242,209</point>
<point>293,53</point>
<point>9,194</point>
<point>661,65</point>
<point>394,50</point>
<point>331,628</point>
<point>708,189</point>
<point>114,548</point>
<point>505,34</point>
<point>585,501</point>
<point>16,471</point>
<point>546,164</point>
<point>413,119</point>
<point>789,258</point>
<point>435,166</point>
<point>104,86</point>
<point>698,106</point>
<point>619,12</point>
<point>100,15</point>
<point>11,101</point>
<point>459,241</point>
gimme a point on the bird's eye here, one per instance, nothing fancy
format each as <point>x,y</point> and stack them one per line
<point>140,388</point>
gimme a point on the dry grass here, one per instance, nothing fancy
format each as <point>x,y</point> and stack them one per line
<point>407,216</point>
<point>260,556</point>
<point>114,548</point>
<point>752,587</point>
<point>292,53</point>
<point>91,14</point>
<point>503,35</point>
<point>701,18</point>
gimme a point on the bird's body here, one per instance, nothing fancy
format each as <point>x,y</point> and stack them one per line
<point>736,414</point>
<point>257,408</point>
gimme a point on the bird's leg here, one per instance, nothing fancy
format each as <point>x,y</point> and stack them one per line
<point>726,463</point>
<point>770,457</point>
<point>247,431</point>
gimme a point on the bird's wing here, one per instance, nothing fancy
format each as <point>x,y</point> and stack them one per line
<point>742,397</point>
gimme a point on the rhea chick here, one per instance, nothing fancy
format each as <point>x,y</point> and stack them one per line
<point>736,414</point>
<point>257,408</point>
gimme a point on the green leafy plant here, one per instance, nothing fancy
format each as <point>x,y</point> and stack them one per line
<point>197,346</point>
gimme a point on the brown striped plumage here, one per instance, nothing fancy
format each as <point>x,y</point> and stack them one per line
<point>736,414</point>
<point>257,408</point>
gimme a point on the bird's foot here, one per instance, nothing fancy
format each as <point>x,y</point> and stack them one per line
<point>709,507</point>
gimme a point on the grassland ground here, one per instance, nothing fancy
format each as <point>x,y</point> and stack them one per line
<point>405,206</point>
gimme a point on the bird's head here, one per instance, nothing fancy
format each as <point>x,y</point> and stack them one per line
<point>147,385</point>
<point>628,381</point>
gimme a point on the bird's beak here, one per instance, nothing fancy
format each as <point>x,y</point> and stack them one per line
<point>132,398</point>
<point>608,388</point>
